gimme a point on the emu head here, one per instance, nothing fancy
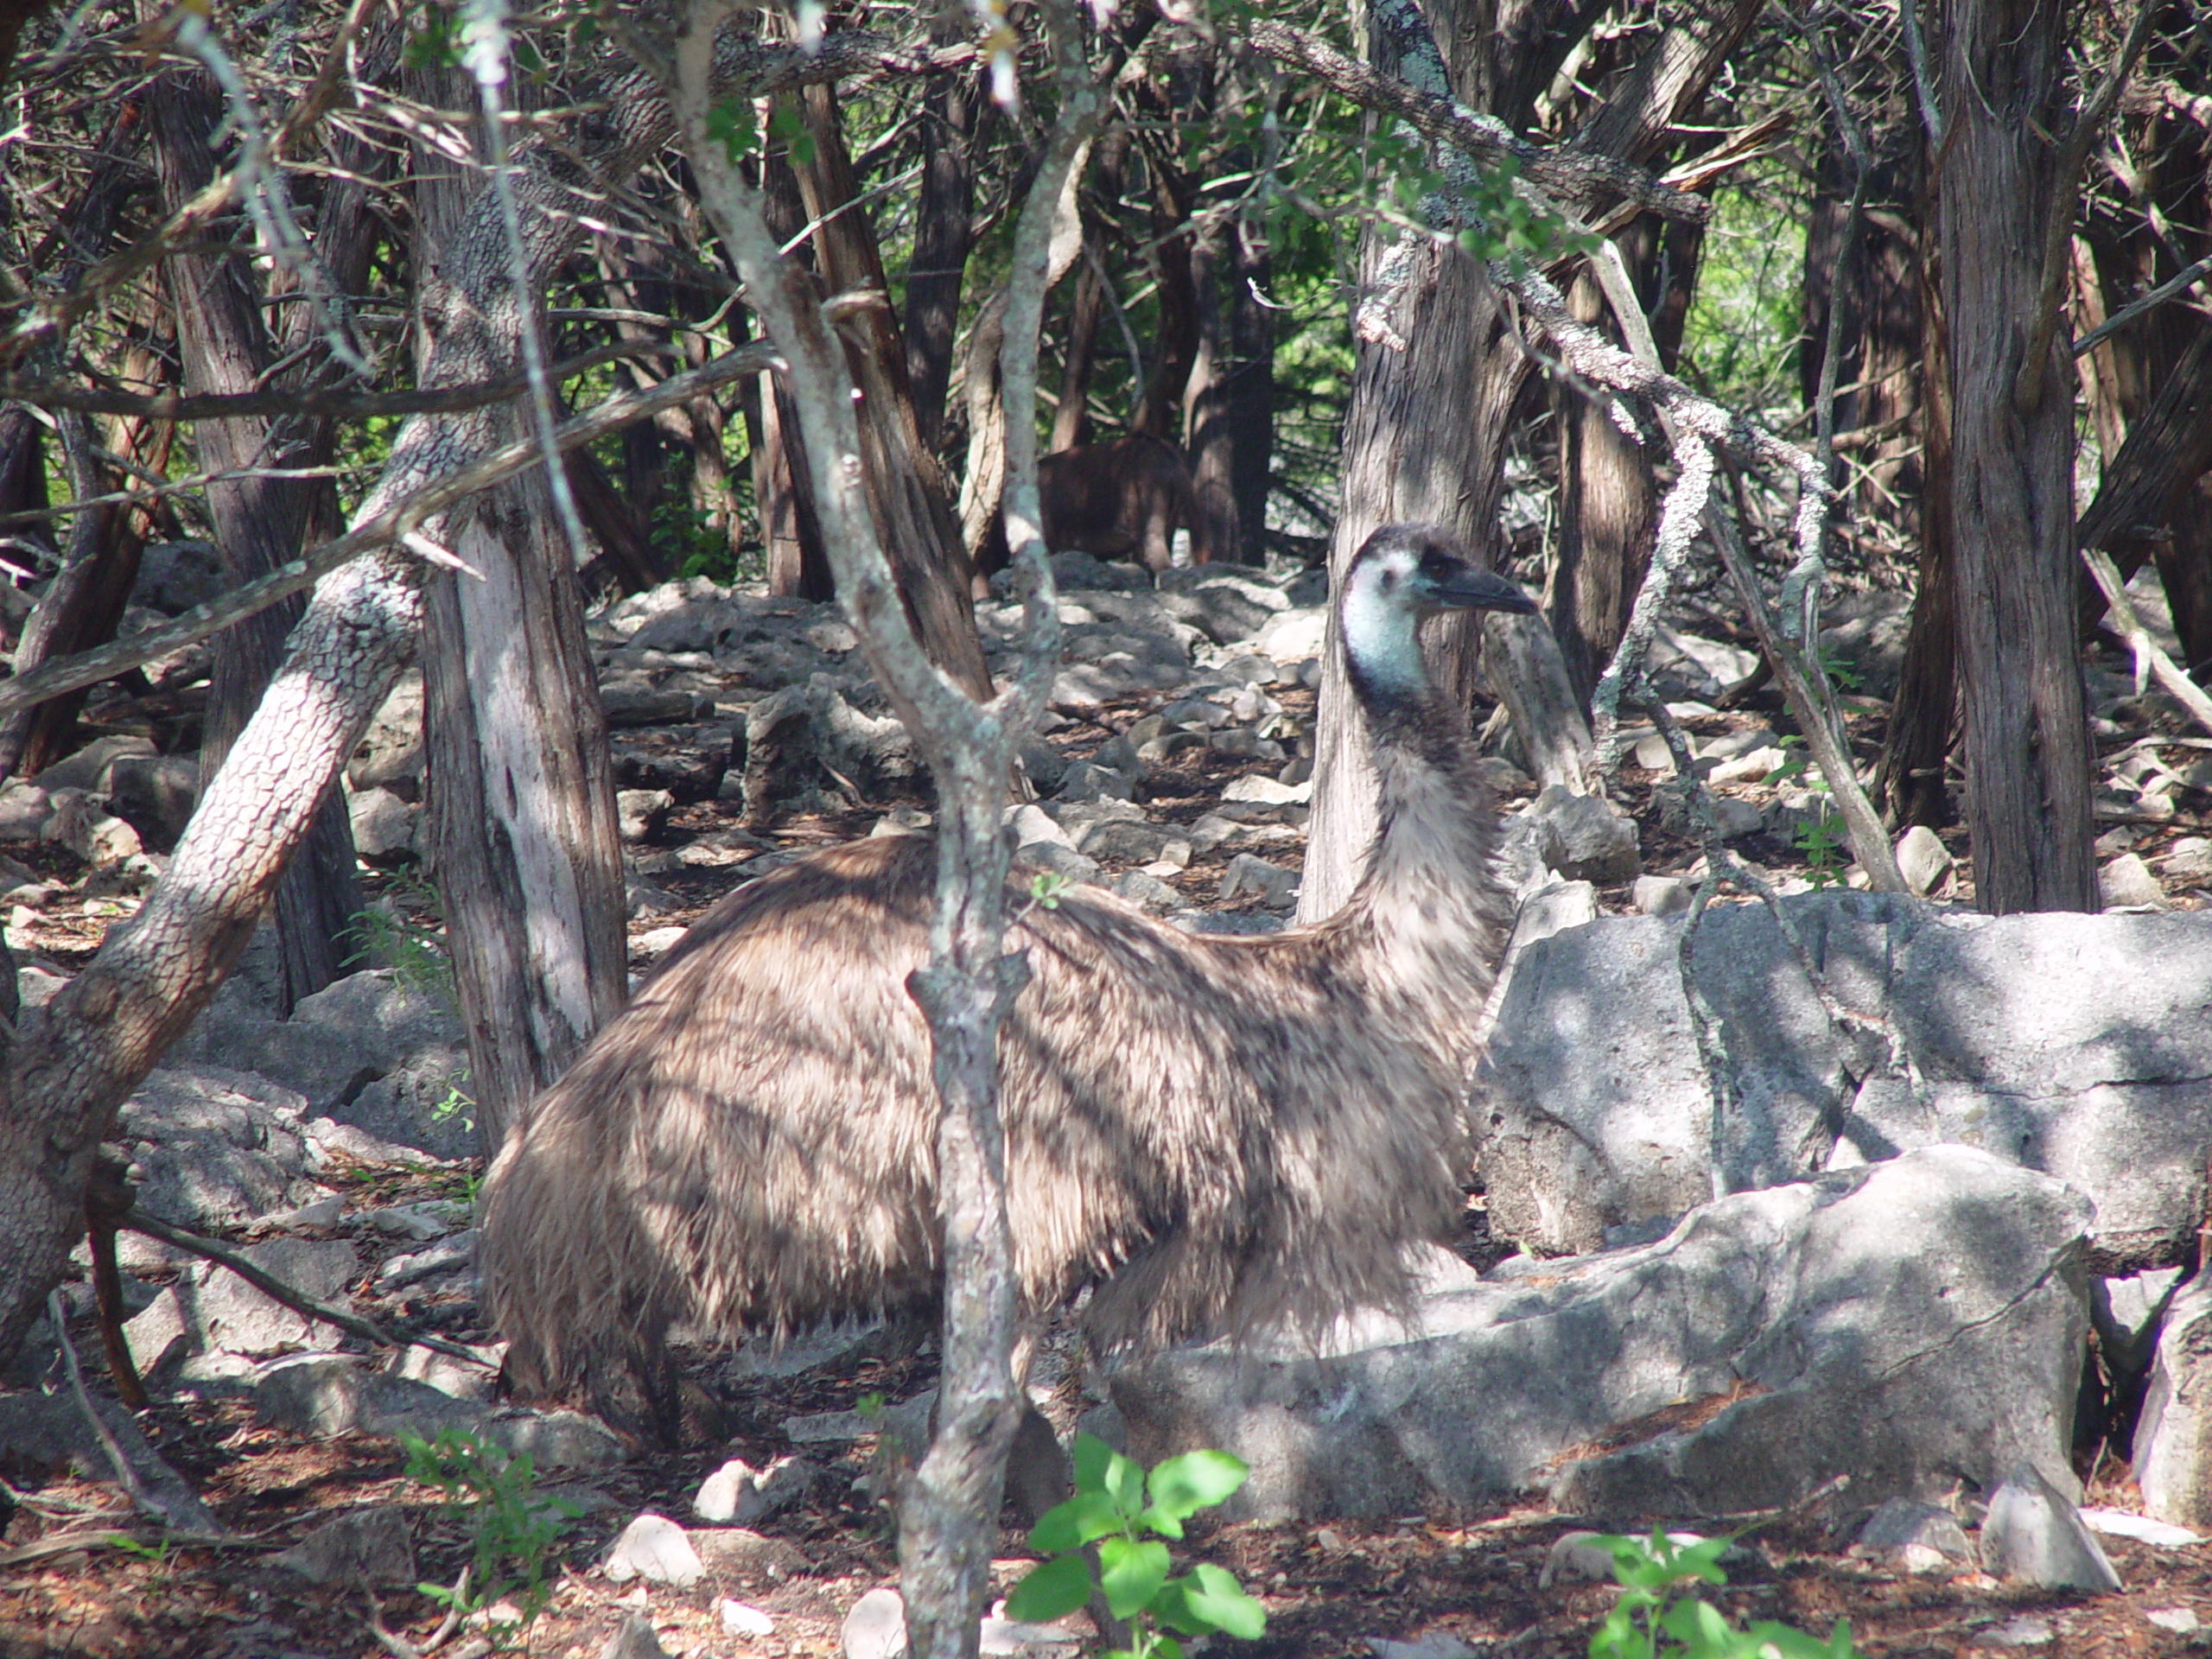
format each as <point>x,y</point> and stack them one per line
<point>1401,574</point>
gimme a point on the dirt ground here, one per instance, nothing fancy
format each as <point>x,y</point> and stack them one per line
<point>65,1588</point>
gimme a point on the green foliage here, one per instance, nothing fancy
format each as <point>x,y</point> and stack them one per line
<point>1047,887</point>
<point>515,1526</point>
<point>1820,840</point>
<point>1116,1506</point>
<point>1644,1624</point>
<point>414,953</point>
<point>435,40</point>
<point>1739,341</point>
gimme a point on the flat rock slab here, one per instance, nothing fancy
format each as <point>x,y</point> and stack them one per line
<point>2071,1044</point>
<point>1902,1324</point>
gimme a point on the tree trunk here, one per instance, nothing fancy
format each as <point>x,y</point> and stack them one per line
<point>1250,414</point>
<point>2011,463</point>
<point>1072,418</point>
<point>1211,436</point>
<point>952,115</point>
<point>906,488</point>
<point>799,566</point>
<point>259,525</point>
<point>521,782</point>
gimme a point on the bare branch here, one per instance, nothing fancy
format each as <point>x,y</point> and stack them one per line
<point>386,525</point>
<point>1573,176</point>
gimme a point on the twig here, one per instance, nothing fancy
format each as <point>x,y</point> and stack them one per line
<point>269,1285</point>
<point>625,408</point>
<point>397,1645</point>
<point>125,1476</point>
<point>2058,212</point>
<point>329,405</point>
<point>2136,307</point>
<point>2148,655</point>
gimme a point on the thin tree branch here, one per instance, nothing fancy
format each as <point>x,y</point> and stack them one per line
<point>329,405</point>
<point>399,518</point>
<point>2137,306</point>
<point>2058,212</point>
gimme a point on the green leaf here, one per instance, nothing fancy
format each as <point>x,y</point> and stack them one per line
<point>1071,1525</point>
<point>1182,1486</point>
<point>1125,1486</point>
<point>1049,1592</point>
<point>1130,1572</point>
<point>1214,1595</point>
<point>1090,1455</point>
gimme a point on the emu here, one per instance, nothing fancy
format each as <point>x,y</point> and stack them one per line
<point>1215,1136</point>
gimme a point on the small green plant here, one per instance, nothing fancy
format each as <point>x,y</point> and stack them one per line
<point>1046,888</point>
<point>1126,1514</point>
<point>516,1526</point>
<point>455,1104</point>
<point>1645,1625</point>
<point>1820,840</point>
<point>384,937</point>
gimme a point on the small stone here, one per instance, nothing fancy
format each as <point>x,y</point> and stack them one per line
<point>1132,839</point>
<point>2026,1631</point>
<point>420,1222</point>
<point>2127,884</point>
<point>2160,1535</point>
<point>2033,1535</point>
<point>383,825</point>
<point>739,1553</point>
<point>657,943</point>
<point>1653,755</point>
<point>1754,766</point>
<point>1086,782</point>
<point>639,813</point>
<point>371,1546</point>
<point>1586,839</point>
<point>1916,1537</point>
<point>1160,750</point>
<point>322,1213</point>
<point>450,1254</point>
<point>1435,1644</point>
<point>737,1619</point>
<point>1031,824</point>
<point>2189,859</point>
<point>634,1640</point>
<point>1262,790</point>
<point>2180,1620</point>
<point>1923,859</point>
<point>1661,895</point>
<point>1735,818</point>
<point>654,1548</point>
<point>1248,874</point>
<point>1576,1556</point>
<point>738,1492</point>
<point>1730,746</point>
<point>1146,892</point>
<point>876,1626</point>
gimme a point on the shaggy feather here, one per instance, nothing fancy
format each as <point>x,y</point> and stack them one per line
<point>1215,1135</point>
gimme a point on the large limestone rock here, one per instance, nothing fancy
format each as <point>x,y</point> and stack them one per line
<point>2071,1044</point>
<point>1904,1323</point>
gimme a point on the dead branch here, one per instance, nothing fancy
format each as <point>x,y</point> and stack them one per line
<point>399,518</point>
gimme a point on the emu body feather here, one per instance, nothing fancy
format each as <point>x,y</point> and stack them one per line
<point>1214,1133</point>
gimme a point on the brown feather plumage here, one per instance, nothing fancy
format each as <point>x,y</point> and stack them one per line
<point>1214,1133</point>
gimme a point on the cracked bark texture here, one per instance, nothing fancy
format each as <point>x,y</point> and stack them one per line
<point>2027,745</point>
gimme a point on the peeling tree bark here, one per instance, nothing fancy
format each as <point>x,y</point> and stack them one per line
<point>2028,762</point>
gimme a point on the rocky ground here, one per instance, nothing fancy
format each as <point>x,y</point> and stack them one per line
<point>333,1147</point>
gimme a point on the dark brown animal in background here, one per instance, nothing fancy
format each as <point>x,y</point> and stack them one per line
<point>1216,1134</point>
<point>1119,500</point>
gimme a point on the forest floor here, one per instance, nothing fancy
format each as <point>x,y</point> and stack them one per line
<point>1460,1585</point>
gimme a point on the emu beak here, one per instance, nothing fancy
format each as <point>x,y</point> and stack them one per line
<point>1470,587</point>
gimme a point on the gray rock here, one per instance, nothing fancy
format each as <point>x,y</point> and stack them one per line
<point>1904,1323</point>
<point>1130,839</point>
<point>1735,819</point>
<point>370,1546</point>
<point>741,1494</point>
<point>155,795</point>
<point>2173,1437</point>
<point>1228,607</point>
<point>384,826</point>
<point>46,1431</point>
<point>2190,860</point>
<point>633,700</point>
<point>1909,1536</point>
<point>1146,892</point>
<point>1059,858</point>
<point>1584,838</point>
<point>1867,632</point>
<point>2126,883</point>
<point>214,1149</point>
<point>2043,1038</point>
<point>92,768</point>
<point>2033,1535</point>
<point>454,1254</point>
<point>633,1639</point>
<point>808,743</point>
<point>1276,887</point>
<point>369,1027</point>
<point>1923,859</point>
<point>317,1216</point>
<point>95,835</point>
<point>323,1395</point>
<point>1084,781</point>
<point>1045,765</point>
<point>738,1619</point>
<point>656,1549</point>
<point>24,812</point>
<point>226,1314</point>
<point>2129,1313</point>
<point>1162,748</point>
<point>390,755</point>
<point>1661,895</point>
<point>640,814</point>
<point>875,1627</point>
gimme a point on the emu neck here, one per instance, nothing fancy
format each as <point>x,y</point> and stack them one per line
<point>1428,907</point>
